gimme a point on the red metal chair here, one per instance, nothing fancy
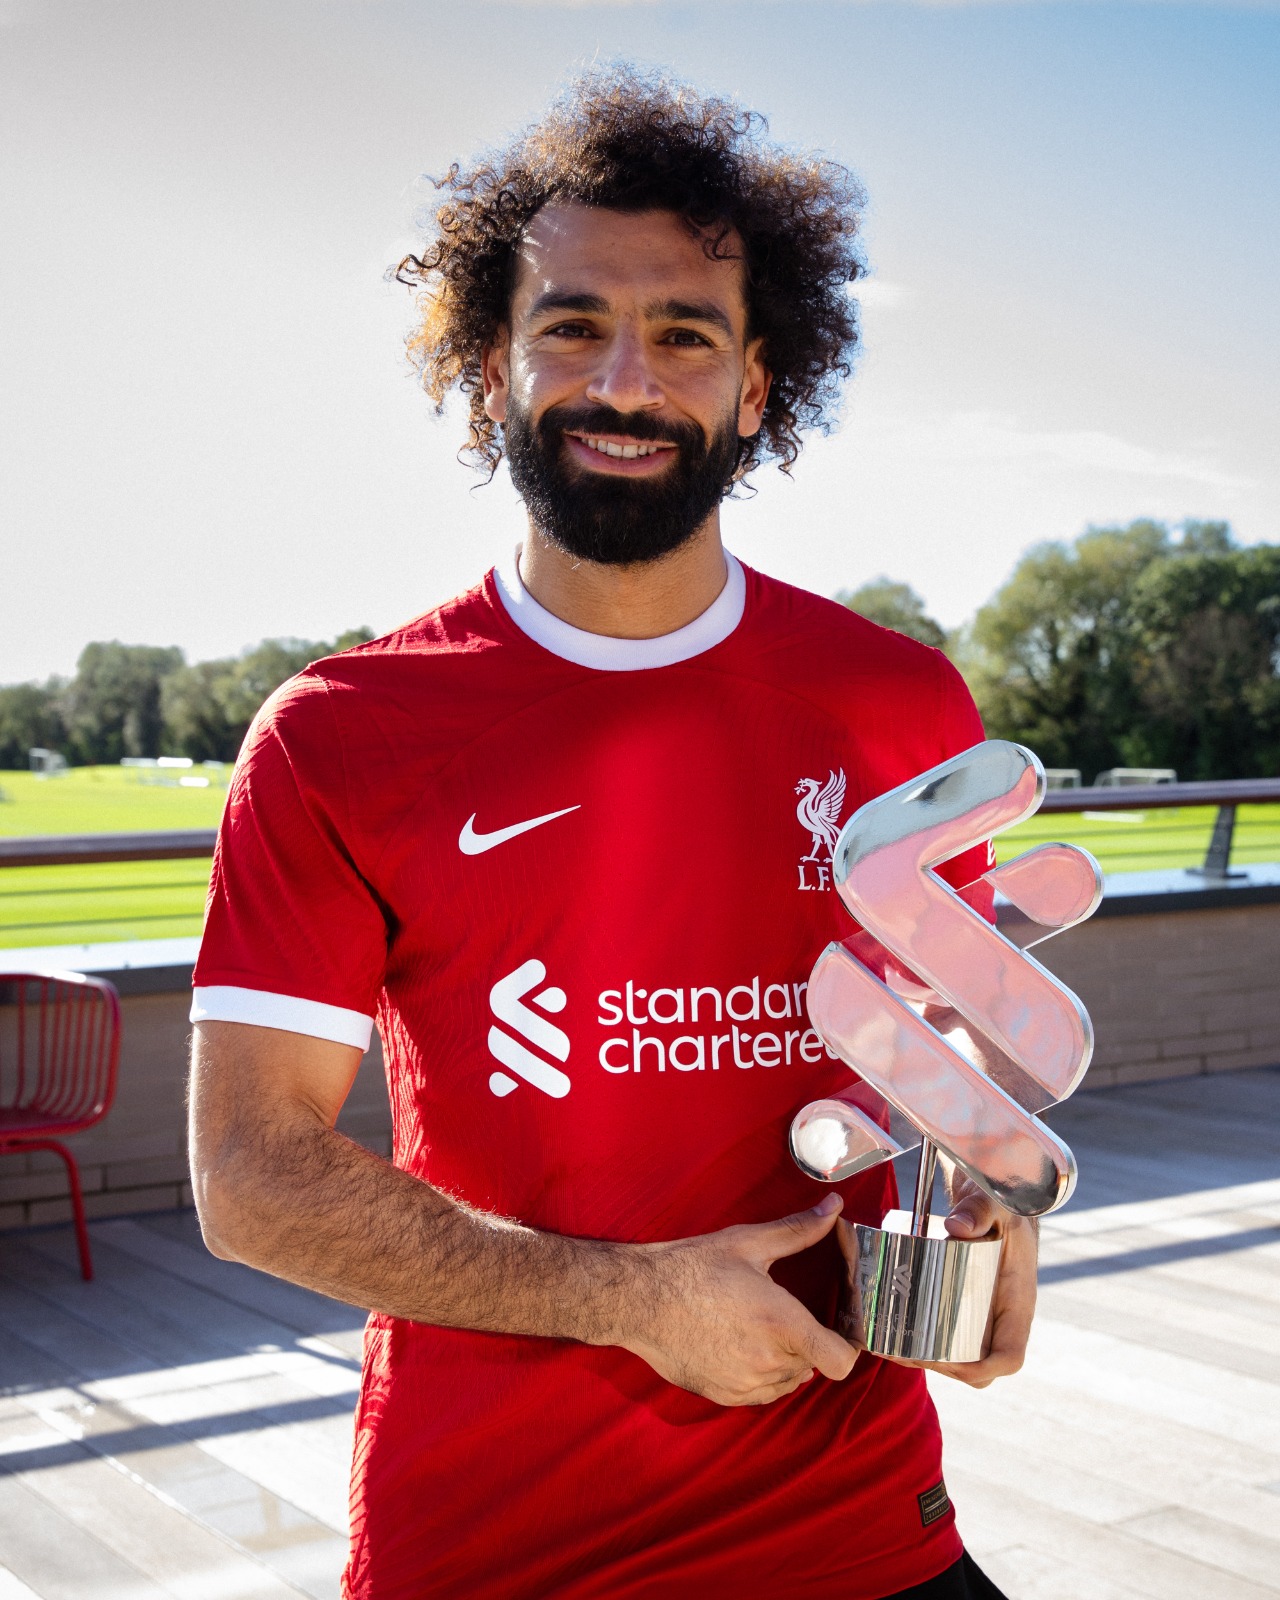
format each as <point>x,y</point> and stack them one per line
<point>59,1051</point>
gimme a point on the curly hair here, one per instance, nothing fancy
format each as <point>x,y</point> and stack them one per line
<point>634,141</point>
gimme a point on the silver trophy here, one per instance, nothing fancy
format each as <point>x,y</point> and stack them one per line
<point>958,1036</point>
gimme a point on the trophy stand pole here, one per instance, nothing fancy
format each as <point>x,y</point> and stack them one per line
<point>913,1297</point>
<point>924,1189</point>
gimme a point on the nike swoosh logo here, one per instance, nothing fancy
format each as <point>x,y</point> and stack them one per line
<point>472,843</point>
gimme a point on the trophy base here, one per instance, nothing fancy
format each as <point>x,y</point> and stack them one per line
<point>919,1299</point>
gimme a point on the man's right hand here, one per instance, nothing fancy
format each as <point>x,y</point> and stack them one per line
<point>717,1324</point>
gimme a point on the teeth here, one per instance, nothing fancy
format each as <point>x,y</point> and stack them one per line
<point>628,452</point>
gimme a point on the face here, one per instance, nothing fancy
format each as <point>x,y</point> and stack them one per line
<point>623,381</point>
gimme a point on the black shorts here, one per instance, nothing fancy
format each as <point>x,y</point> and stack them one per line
<point>963,1581</point>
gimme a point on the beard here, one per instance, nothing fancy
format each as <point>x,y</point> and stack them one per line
<point>616,520</point>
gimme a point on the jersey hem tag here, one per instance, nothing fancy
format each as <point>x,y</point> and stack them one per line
<point>933,1503</point>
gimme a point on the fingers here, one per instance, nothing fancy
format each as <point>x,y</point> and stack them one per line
<point>765,1395</point>
<point>786,1387</point>
<point>830,1354</point>
<point>789,1235</point>
<point>824,1349</point>
<point>976,1374</point>
<point>979,1374</point>
<point>969,1372</point>
<point>741,1339</point>
<point>974,1215</point>
<point>1015,1301</point>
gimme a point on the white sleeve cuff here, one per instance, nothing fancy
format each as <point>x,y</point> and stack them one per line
<point>224,1003</point>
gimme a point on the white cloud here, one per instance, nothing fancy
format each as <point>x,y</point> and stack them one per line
<point>950,499</point>
<point>984,436</point>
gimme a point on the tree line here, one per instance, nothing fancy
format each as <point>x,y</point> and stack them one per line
<point>1129,646</point>
<point>141,700</point>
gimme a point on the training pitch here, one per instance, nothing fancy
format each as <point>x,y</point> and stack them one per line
<point>165,899</point>
<point>114,900</point>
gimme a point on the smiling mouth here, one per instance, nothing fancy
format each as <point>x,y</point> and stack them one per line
<point>625,449</point>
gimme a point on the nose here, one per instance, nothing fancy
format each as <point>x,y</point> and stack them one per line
<point>623,379</point>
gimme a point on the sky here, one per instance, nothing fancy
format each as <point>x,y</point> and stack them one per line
<point>209,433</point>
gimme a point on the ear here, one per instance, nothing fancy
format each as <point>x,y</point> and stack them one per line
<point>757,380</point>
<point>495,375</point>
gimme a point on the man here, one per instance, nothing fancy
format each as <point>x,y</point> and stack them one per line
<point>549,835</point>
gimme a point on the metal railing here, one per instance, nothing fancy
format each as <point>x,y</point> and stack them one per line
<point>102,887</point>
<point>193,843</point>
<point>1227,796</point>
<point>62,850</point>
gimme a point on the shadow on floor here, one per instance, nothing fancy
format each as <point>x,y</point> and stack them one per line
<point>1159,1139</point>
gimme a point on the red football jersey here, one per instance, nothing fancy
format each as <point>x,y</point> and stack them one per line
<point>581,883</point>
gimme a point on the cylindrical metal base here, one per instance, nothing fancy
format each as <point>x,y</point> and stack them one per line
<point>921,1299</point>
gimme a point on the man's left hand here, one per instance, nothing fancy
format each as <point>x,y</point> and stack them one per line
<point>975,1216</point>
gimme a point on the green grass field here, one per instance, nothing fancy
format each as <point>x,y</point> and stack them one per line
<point>1145,841</point>
<point>165,899</point>
<point>110,800</point>
<point>111,900</point>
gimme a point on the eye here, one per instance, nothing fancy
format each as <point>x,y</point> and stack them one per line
<point>686,338</point>
<point>568,330</point>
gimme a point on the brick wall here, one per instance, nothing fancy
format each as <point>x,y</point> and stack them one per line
<point>1177,993</point>
<point>1171,994</point>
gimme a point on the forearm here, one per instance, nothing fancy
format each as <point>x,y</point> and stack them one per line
<point>305,1203</point>
<point>279,1188</point>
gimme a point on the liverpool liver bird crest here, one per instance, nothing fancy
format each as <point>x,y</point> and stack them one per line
<point>819,812</point>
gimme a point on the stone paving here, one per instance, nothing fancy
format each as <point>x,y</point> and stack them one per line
<point>180,1429</point>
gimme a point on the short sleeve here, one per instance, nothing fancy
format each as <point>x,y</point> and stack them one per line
<point>295,937</point>
<point>960,728</point>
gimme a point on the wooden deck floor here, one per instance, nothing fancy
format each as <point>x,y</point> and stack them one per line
<point>181,1427</point>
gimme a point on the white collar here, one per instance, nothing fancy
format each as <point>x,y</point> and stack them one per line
<point>606,654</point>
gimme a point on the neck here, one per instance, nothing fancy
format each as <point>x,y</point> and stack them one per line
<point>641,601</point>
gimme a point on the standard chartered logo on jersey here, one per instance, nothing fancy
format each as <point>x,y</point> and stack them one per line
<point>696,1029</point>
<point>699,1029</point>
<point>507,1002</point>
